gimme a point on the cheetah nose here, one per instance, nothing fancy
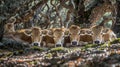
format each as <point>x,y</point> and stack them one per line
<point>74,42</point>
<point>97,42</point>
<point>35,44</point>
<point>58,45</point>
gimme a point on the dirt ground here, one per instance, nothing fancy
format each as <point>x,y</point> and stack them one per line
<point>90,55</point>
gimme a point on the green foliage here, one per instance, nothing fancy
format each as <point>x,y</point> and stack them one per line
<point>49,55</point>
<point>88,46</point>
<point>104,46</point>
<point>115,41</point>
<point>7,54</point>
<point>37,48</point>
<point>57,49</point>
<point>33,62</point>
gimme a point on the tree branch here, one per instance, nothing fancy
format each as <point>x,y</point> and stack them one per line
<point>57,13</point>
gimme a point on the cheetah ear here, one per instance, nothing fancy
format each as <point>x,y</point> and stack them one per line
<point>92,27</point>
<point>67,31</point>
<point>64,29</point>
<point>53,29</point>
<point>79,28</point>
<point>28,30</point>
<point>44,31</point>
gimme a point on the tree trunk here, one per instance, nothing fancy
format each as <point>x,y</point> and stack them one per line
<point>116,27</point>
<point>81,16</point>
<point>78,18</point>
<point>1,29</point>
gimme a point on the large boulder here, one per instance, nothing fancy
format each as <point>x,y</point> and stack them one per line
<point>11,44</point>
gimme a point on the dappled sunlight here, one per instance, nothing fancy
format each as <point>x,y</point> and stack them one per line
<point>59,33</point>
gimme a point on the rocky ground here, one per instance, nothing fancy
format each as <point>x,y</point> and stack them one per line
<point>17,54</point>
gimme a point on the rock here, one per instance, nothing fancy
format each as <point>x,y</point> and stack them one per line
<point>11,44</point>
<point>1,45</point>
